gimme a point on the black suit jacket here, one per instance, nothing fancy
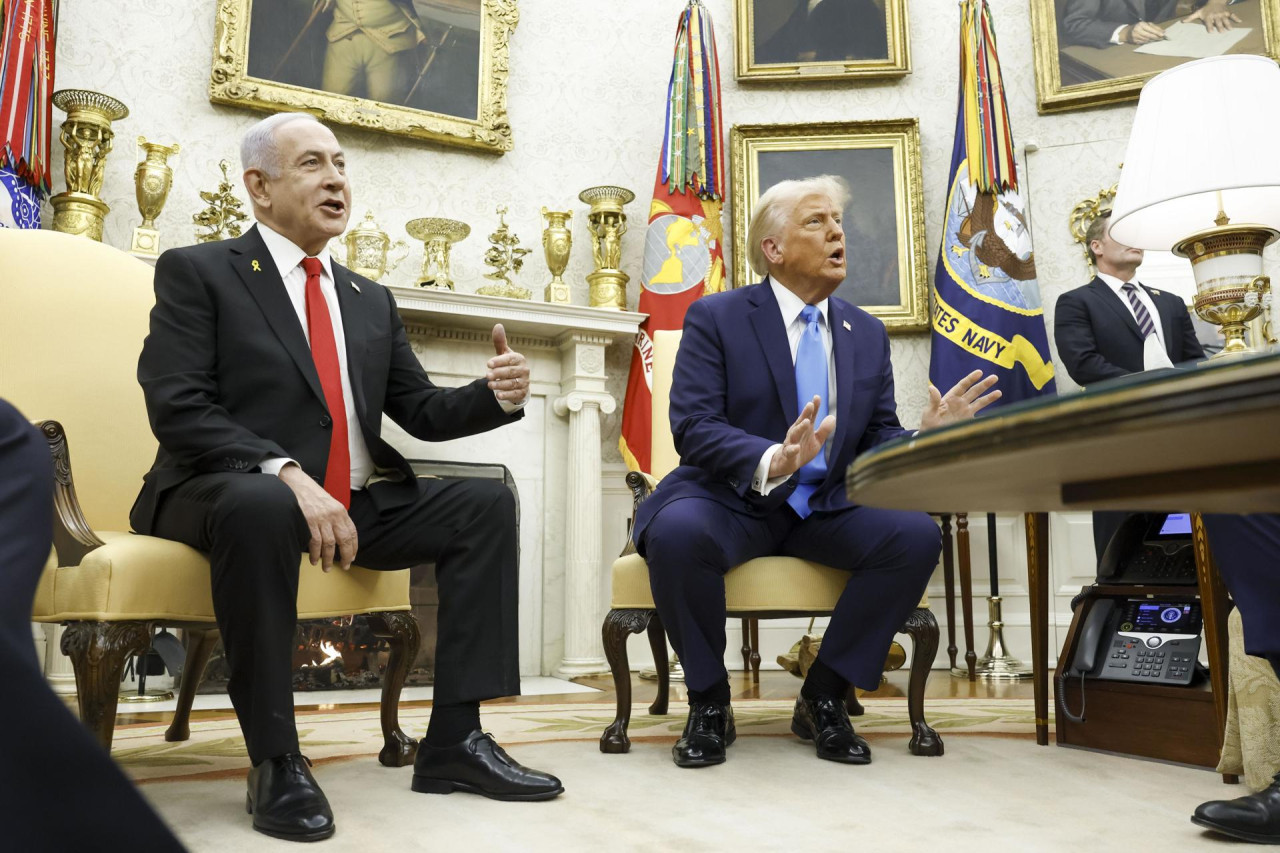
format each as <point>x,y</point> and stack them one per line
<point>1092,22</point>
<point>1098,338</point>
<point>229,380</point>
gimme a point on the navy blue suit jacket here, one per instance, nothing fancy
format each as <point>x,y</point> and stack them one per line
<point>733,395</point>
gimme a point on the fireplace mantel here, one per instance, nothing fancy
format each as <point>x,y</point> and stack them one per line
<point>557,455</point>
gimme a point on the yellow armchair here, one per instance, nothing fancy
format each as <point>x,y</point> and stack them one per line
<point>73,315</point>
<point>763,588</point>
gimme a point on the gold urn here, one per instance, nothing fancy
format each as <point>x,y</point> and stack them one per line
<point>152,181</point>
<point>86,138</point>
<point>1231,289</point>
<point>607,223</point>
<point>437,235</point>
<point>557,240</point>
<point>368,251</point>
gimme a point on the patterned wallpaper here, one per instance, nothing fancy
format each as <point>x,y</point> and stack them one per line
<point>588,83</point>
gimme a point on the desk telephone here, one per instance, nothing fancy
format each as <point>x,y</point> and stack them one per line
<point>1150,549</point>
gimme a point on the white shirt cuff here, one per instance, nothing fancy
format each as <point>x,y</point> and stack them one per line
<point>1115,37</point>
<point>275,464</point>
<point>760,480</point>
<point>508,406</point>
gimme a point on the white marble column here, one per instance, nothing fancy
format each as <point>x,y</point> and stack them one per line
<point>584,400</point>
<point>57,666</point>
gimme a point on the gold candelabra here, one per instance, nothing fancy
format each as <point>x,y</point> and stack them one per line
<point>607,223</point>
<point>438,236</point>
<point>87,137</point>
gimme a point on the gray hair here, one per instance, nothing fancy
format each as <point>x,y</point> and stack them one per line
<point>781,199</point>
<point>258,149</point>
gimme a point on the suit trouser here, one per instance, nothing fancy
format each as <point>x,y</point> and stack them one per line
<point>1247,551</point>
<point>254,532</point>
<point>46,750</point>
<point>692,542</point>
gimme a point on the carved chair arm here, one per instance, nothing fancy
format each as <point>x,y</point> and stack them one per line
<point>73,537</point>
<point>641,485</point>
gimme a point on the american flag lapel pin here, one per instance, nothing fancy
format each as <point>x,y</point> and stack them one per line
<point>846,325</point>
<point>355,287</point>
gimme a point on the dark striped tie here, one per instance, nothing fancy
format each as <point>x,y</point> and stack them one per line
<point>1140,312</point>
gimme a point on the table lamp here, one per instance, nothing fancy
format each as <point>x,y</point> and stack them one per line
<point>1201,177</point>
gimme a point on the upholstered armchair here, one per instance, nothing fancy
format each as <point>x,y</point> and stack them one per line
<point>764,588</point>
<point>73,315</point>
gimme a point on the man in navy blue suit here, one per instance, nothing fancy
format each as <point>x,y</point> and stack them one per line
<point>758,368</point>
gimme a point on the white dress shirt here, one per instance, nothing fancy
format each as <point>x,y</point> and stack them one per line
<point>1155,353</point>
<point>790,306</point>
<point>288,260</point>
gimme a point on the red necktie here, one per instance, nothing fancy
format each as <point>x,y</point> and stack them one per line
<point>337,474</point>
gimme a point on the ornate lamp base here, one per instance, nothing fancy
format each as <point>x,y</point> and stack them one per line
<point>997,664</point>
<point>79,213</point>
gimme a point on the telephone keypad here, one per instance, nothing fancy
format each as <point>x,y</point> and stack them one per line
<point>1131,660</point>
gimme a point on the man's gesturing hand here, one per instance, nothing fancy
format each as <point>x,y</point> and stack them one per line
<point>963,401</point>
<point>508,371</point>
<point>329,523</point>
<point>802,443</point>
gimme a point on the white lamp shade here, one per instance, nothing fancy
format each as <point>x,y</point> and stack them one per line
<point>1201,127</point>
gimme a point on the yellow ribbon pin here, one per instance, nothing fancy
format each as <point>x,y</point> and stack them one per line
<point>256,268</point>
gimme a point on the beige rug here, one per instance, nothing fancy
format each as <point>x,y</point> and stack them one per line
<point>990,793</point>
<point>216,748</point>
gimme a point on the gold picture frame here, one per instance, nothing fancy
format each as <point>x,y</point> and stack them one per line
<point>1076,68</point>
<point>776,37</point>
<point>880,160</point>
<point>426,65</point>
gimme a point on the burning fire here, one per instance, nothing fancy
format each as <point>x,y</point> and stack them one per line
<point>331,653</point>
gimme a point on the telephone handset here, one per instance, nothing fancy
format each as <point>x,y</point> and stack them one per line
<point>1091,637</point>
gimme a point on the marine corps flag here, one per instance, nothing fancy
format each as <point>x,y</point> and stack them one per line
<point>987,312</point>
<point>683,256</point>
<point>26,107</point>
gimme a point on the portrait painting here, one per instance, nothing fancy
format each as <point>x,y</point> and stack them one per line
<point>822,40</point>
<point>883,222</point>
<point>1091,52</point>
<point>432,69</point>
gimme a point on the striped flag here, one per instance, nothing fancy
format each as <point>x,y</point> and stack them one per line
<point>683,251</point>
<point>27,34</point>
<point>987,312</point>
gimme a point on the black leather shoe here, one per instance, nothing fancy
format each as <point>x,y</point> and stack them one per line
<point>825,721</point>
<point>286,802</point>
<point>478,765</point>
<point>1252,818</point>
<point>707,734</point>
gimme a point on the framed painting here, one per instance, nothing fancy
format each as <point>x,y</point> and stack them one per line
<point>1092,52</point>
<point>884,222</point>
<point>426,69</point>
<point>826,40</point>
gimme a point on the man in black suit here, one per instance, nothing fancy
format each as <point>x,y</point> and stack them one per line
<point>1114,326</point>
<point>266,374</point>
<point>828,31</point>
<point>1101,23</point>
<point>50,749</point>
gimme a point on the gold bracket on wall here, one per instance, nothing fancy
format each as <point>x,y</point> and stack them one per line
<point>1083,214</point>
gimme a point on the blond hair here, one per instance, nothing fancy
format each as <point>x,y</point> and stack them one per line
<point>778,201</point>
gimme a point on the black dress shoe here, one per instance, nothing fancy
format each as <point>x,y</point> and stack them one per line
<point>286,802</point>
<point>478,765</point>
<point>825,721</point>
<point>707,734</point>
<point>1252,818</point>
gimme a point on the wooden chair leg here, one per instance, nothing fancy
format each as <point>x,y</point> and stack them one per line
<point>658,644</point>
<point>966,593</point>
<point>618,625</point>
<point>923,628</point>
<point>400,630</point>
<point>200,643</point>
<point>746,646</point>
<point>949,586</point>
<point>755,650</point>
<point>98,651</point>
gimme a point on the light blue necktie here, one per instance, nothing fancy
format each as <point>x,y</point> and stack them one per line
<point>811,381</point>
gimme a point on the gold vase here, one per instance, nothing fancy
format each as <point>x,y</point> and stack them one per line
<point>152,181</point>
<point>1231,289</point>
<point>368,251</point>
<point>607,223</point>
<point>557,240</point>
<point>86,137</point>
<point>437,235</point>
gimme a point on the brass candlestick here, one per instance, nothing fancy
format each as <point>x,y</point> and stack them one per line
<point>557,240</point>
<point>152,181</point>
<point>86,137</point>
<point>997,664</point>
<point>506,257</point>
<point>368,251</point>
<point>607,223</point>
<point>437,236</point>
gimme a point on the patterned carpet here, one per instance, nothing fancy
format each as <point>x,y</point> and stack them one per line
<point>216,748</point>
